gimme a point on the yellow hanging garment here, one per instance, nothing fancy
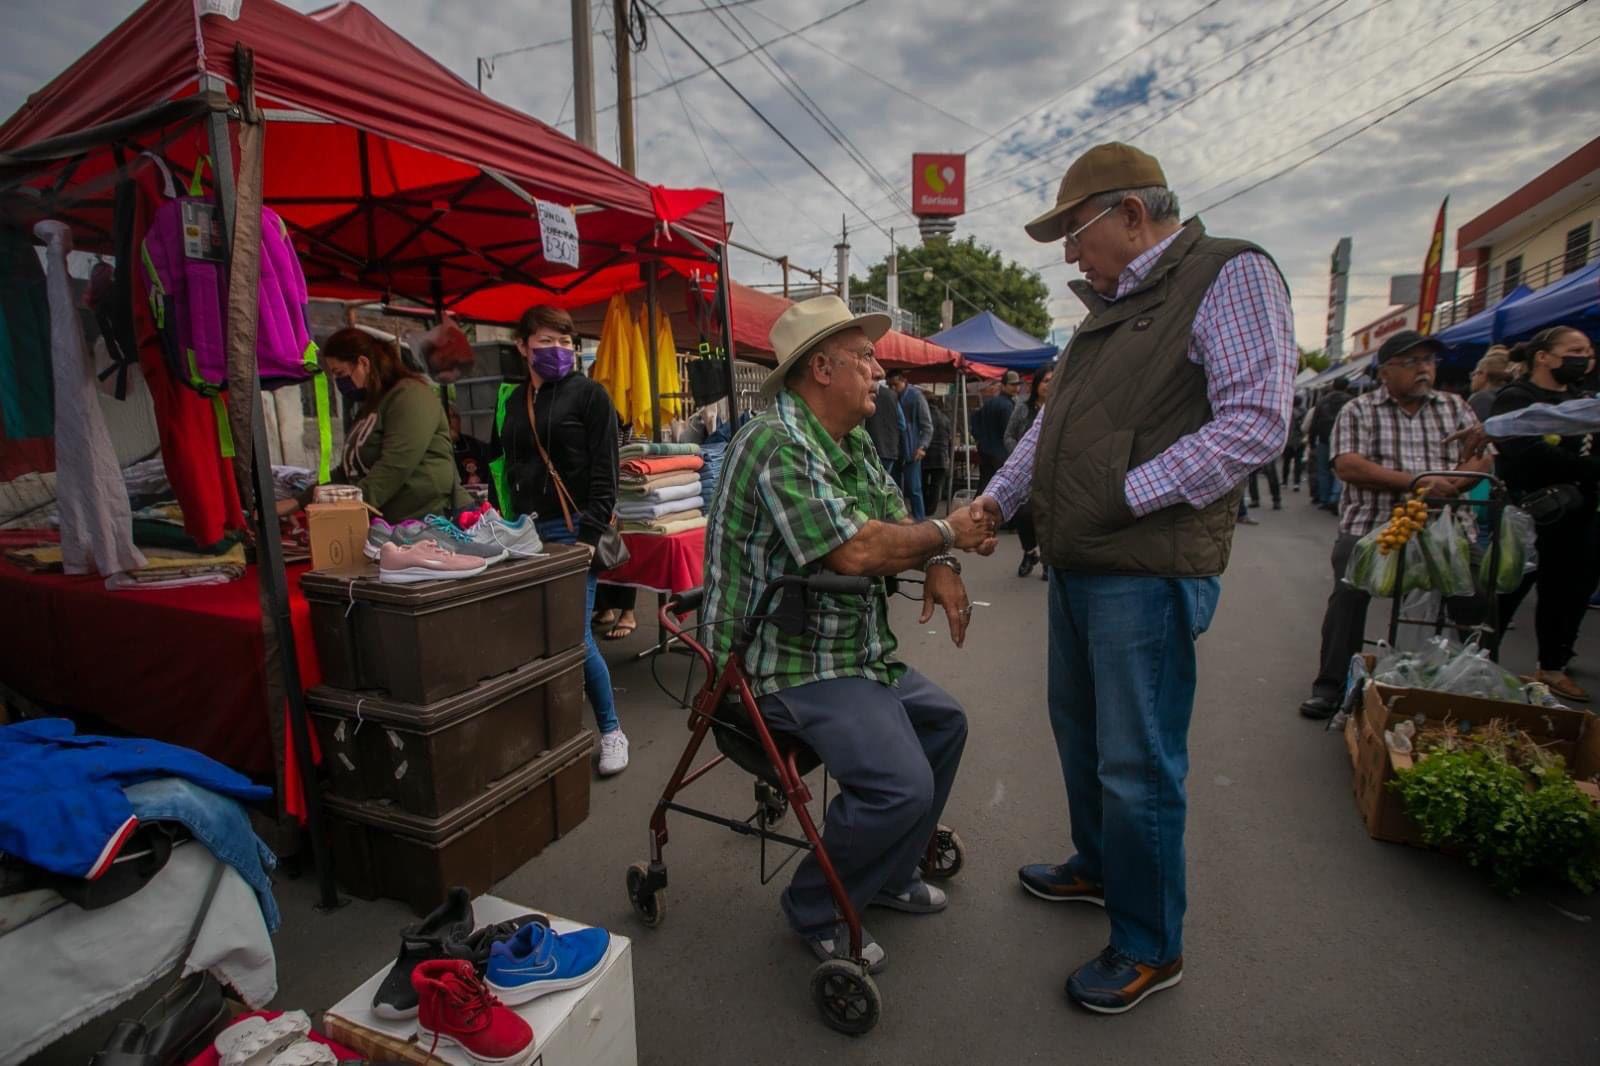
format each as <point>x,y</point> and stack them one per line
<point>639,404</point>
<point>667,362</point>
<point>614,355</point>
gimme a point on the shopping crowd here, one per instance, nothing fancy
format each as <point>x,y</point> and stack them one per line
<point>1123,469</point>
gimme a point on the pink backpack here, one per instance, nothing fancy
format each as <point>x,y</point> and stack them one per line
<point>180,267</point>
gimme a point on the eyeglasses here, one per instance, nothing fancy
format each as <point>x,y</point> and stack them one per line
<point>1414,362</point>
<point>1069,243</point>
<point>866,355</point>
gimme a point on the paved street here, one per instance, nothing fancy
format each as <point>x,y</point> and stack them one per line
<point>1306,941</point>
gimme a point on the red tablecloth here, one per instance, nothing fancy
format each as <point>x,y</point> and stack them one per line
<point>181,665</point>
<point>671,563</point>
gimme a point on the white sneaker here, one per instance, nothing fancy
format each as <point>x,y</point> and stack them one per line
<point>256,1042</point>
<point>306,1053</point>
<point>613,753</point>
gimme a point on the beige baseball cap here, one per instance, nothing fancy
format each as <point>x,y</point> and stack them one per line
<point>1103,168</point>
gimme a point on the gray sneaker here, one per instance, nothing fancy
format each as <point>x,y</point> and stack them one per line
<point>444,533</point>
<point>520,539</point>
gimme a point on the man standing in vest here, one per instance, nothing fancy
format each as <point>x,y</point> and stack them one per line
<point>1177,385</point>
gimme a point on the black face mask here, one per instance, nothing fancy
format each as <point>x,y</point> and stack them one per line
<point>1573,369</point>
<point>352,392</point>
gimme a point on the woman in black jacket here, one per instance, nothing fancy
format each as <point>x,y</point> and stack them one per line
<point>1555,361</point>
<point>574,424</point>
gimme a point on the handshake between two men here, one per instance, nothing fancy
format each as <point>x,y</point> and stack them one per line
<point>884,549</point>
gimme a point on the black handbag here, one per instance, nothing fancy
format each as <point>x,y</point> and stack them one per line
<point>610,551</point>
<point>1552,503</point>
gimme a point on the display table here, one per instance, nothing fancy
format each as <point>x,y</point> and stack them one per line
<point>184,665</point>
<point>592,1025</point>
<point>670,563</point>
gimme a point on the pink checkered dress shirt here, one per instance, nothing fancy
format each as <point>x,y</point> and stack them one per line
<point>1244,338</point>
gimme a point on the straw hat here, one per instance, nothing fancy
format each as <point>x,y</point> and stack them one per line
<point>806,325</point>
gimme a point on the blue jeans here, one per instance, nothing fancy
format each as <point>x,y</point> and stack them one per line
<point>1121,689</point>
<point>1326,484</point>
<point>911,485</point>
<point>596,674</point>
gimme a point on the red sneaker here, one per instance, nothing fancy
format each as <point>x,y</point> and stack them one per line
<point>455,1007</point>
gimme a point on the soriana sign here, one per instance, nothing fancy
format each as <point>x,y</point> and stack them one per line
<point>938,184</point>
<point>1370,338</point>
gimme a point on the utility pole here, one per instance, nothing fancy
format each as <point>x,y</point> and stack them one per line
<point>582,75</point>
<point>619,10</point>
<point>891,287</point>
<point>842,254</point>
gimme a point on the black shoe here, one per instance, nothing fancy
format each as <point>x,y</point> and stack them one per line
<point>1277,505</point>
<point>475,948</point>
<point>1029,561</point>
<point>1319,708</point>
<point>452,921</point>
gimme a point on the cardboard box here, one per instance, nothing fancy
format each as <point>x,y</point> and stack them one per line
<point>338,533</point>
<point>592,1025</point>
<point>1574,735</point>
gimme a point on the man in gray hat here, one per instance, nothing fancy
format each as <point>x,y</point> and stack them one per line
<point>802,491</point>
<point>1176,385</point>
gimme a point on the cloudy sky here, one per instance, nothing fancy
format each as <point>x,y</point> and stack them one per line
<point>1225,93</point>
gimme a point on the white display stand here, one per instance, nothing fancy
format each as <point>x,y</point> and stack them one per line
<point>588,1026</point>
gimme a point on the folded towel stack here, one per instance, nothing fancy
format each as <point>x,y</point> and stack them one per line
<point>666,525</point>
<point>635,472</point>
<point>633,510</point>
<point>649,450</point>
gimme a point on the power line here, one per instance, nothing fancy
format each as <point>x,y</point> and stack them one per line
<point>568,40</point>
<point>710,68</point>
<point>805,100</point>
<point>695,130</point>
<point>1487,55</point>
<point>1078,138</point>
<point>907,93</point>
<point>1085,81</point>
<point>761,115</point>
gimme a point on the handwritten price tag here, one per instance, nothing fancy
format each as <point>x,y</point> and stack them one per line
<point>558,231</point>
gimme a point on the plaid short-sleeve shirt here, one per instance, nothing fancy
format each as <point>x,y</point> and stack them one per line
<point>1375,427</point>
<point>789,494</point>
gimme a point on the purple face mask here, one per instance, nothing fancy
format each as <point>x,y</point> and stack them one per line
<point>552,363</point>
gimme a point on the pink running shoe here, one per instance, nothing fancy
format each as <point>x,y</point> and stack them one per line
<point>424,561</point>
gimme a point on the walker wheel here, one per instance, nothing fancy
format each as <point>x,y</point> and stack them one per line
<point>945,855</point>
<point>650,905</point>
<point>773,805</point>
<point>847,996</point>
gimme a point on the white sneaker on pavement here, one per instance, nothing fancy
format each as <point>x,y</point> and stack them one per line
<point>613,753</point>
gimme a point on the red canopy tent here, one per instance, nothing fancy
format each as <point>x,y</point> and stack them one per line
<point>397,179</point>
<point>755,311</point>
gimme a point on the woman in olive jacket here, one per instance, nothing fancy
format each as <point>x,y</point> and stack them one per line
<point>398,449</point>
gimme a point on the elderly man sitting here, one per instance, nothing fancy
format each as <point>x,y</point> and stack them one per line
<point>803,491</point>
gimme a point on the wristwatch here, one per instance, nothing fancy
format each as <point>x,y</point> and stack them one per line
<point>943,559</point>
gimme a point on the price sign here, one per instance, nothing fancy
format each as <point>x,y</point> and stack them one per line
<point>558,232</point>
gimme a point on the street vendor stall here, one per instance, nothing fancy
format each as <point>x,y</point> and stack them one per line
<point>424,192</point>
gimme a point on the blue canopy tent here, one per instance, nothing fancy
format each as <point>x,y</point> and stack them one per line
<point>1349,371</point>
<point>986,338</point>
<point>1471,336</point>
<point>1572,301</point>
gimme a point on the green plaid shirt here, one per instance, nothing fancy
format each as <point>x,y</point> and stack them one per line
<point>788,496</point>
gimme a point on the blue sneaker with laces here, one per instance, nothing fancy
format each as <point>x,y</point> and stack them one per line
<point>539,960</point>
<point>452,538</point>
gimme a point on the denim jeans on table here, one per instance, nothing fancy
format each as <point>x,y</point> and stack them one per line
<point>217,822</point>
<point>596,674</point>
<point>1121,690</point>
